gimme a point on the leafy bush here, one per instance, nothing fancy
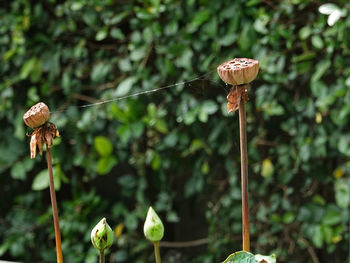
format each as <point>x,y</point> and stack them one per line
<point>176,149</point>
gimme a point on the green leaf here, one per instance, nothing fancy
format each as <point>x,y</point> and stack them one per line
<point>32,68</point>
<point>41,180</point>
<point>101,34</point>
<point>305,32</point>
<point>241,257</point>
<point>342,192</point>
<point>103,145</point>
<point>131,221</point>
<point>247,37</point>
<point>172,217</point>
<point>156,161</point>
<point>317,199</point>
<point>267,168</point>
<point>27,68</point>
<point>210,107</point>
<point>273,108</point>
<point>327,233</point>
<point>321,69</point>
<point>19,170</point>
<point>105,164</point>
<point>317,237</point>
<point>317,42</point>
<point>199,18</point>
<point>288,217</point>
<point>5,247</point>
<point>227,40</point>
<point>138,53</point>
<point>344,144</point>
<point>332,216</point>
<point>117,34</point>
<point>9,53</point>
<point>127,181</point>
<point>125,86</point>
<point>161,126</point>
<point>100,71</point>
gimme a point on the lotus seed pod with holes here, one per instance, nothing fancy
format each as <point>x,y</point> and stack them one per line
<point>238,71</point>
<point>102,235</point>
<point>153,228</point>
<point>37,115</point>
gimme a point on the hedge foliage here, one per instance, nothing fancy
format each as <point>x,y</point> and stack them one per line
<point>176,149</point>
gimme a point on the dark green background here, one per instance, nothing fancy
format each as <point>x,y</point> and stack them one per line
<point>177,149</point>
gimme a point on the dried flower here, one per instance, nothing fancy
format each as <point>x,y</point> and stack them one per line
<point>238,71</point>
<point>237,94</point>
<point>44,132</point>
<point>102,235</point>
<point>153,228</point>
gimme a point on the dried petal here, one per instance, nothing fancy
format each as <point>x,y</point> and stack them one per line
<point>40,144</point>
<point>236,95</point>
<point>41,136</point>
<point>33,146</point>
<point>48,139</point>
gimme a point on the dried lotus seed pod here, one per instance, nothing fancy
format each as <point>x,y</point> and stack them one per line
<point>238,71</point>
<point>37,115</point>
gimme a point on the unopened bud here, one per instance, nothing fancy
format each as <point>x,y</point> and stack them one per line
<point>102,235</point>
<point>153,228</point>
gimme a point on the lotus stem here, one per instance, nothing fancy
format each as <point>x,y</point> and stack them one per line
<point>102,256</point>
<point>54,207</point>
<point>244,175</point>
<point>157,252</point>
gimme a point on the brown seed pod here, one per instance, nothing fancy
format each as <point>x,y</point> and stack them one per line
<point>238,71</point>
<point>37,115</point>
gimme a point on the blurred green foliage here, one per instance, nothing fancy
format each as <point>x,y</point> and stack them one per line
<point>176,149</point>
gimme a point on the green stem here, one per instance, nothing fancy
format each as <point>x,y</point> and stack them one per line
<point>157,252</point>
<point>102,256</point>
<point>54,207</point>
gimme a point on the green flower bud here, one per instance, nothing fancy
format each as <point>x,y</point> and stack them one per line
<point>153,228</point>
<point>102,235</point>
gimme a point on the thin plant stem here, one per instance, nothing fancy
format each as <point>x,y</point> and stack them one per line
<point>244,175</point>
<point>157,252</point>
<point>102,256</point>
<point>54,207</point>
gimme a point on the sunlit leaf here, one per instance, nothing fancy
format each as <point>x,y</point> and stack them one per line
<point>267,168</point>
<point>103,145</point>
<point>328,9</point>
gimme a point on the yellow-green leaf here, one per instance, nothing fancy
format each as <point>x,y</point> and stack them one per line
<point>267,168</point>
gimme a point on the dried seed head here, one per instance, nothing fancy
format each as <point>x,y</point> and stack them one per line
<point>238,71</point>
<point>37,115</point>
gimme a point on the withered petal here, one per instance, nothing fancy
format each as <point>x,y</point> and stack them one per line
<point>48,138</point>
<point>33,143</point>
<point>40,146</point>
